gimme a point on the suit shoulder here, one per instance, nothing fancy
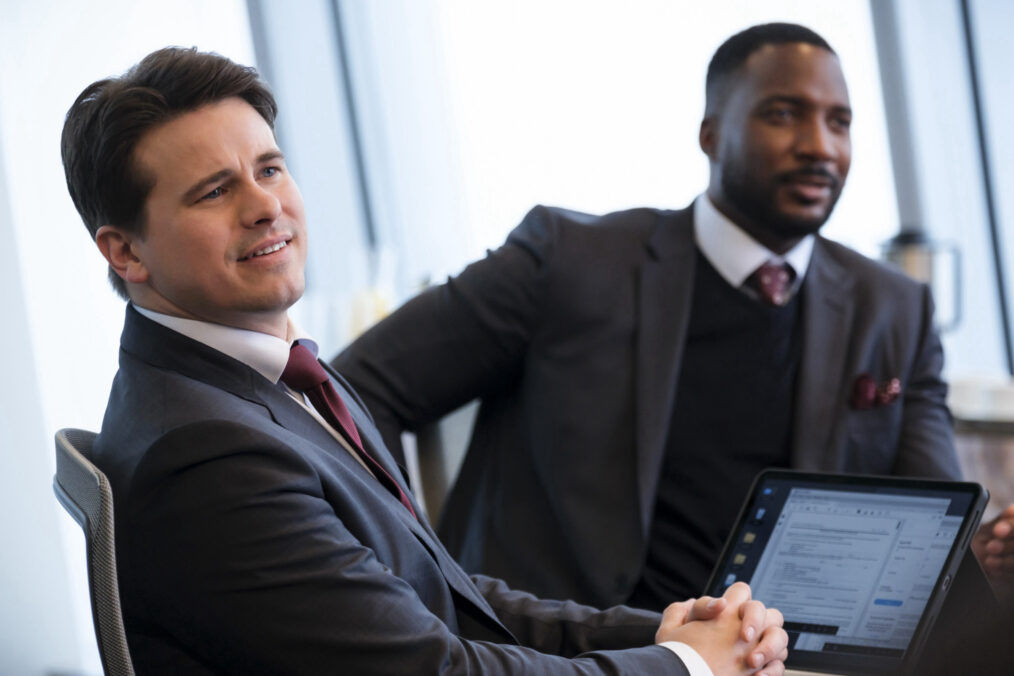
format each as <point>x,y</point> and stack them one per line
<point>162,398</point>
<point>560,217</point>
<point>867,272</point>
<point>147,404</point>
<point>612,234</point>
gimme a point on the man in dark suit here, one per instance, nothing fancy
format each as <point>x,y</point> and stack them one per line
<point>261,525</point>
<point>636,370</point>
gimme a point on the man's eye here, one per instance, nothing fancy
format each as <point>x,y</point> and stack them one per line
<point>269,171</point>
<point>780,114</point>
<point>214,194</point>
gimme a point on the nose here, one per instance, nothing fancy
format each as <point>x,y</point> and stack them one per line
<point>260,206</point>
<point>816,140</point>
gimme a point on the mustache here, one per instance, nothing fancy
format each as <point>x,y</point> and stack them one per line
<point>810,172</point>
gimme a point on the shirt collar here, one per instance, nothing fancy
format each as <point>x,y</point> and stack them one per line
<point>264,353</point>
<point>735,254</point>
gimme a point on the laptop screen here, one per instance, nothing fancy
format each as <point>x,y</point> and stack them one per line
<point>852,563</point>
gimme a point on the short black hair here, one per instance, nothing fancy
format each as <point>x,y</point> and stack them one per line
<point>734,52</point>
<point>111,116</point>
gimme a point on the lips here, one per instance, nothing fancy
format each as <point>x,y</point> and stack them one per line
<point>811,184</point>
<point>266,249</point>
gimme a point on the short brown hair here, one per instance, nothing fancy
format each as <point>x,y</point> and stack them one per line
<point>110,116</point>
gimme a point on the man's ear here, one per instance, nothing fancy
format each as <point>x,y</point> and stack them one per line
<point>119,249</point>
<point>708,136</point>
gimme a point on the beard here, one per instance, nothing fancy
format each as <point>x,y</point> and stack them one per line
<point>758,202</point>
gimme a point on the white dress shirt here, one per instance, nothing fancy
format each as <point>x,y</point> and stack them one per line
<point>262,352</point>
<point>735,254</point>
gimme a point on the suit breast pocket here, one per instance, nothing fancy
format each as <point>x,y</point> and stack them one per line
<point>872,442</point>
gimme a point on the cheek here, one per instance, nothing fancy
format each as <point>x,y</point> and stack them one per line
<point>292,200</point>
<point>845,159</point>
<point>760,161</point>
<point>762,149</point>
<point>200,253</point>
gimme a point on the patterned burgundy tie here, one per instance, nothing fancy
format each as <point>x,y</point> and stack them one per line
<point>304,374</point>
<point>773,281</point>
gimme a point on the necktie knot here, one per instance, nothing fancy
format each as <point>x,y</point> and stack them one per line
<point>303,372</point>
<point>773,281</point>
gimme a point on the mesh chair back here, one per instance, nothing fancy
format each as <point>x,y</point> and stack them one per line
<point>84,491</point>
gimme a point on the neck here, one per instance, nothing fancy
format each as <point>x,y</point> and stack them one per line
<point>764,236</point>
<point>275,324</point>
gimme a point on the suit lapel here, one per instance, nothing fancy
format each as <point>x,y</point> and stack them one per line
<point>287,413</point>
<point>368,432</point>
<point>828,308</point>
<point>374,445</point>
<point>664,296</point>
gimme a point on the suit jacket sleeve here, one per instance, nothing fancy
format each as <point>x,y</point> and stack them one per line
<point>454,342</point>
<point>926,446</point>
<point>574,629</point>
<point>240,555</point>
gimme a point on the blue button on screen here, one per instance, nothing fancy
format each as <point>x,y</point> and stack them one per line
<point>886,602</point>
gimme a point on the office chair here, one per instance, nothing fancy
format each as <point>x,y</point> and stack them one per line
<point>84,492</point>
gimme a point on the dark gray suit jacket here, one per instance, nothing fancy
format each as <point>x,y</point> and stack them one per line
<point>250,542</point>
<point>572,334</point>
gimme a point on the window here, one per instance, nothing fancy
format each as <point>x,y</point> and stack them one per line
<point>60,314</point>
<point>591,106</point>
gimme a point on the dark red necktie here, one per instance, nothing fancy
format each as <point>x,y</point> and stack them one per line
<point>773,281</point>
<point>304,374</point>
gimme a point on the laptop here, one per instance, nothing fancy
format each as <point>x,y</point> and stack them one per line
<point>859,566</point>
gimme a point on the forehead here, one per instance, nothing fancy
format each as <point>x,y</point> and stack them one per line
<point>214,137</point>
<point>798,70</point>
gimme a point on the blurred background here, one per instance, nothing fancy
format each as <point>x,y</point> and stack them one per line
<point>420,132</point>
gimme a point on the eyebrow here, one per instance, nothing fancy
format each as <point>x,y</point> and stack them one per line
<point>800,101</point>
<point>197,189</point>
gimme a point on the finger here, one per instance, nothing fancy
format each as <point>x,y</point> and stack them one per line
<point>1003,565</point>
<point>1004,521</point>
<point>737,593</point>
<point>1000,546</point>
<point>773,668</point>
<point>1003,528</point>
<point>992,564</point>
<point>754,616</point>
<point>707,608</point>
<point>677,614</point>
<point>774,641</point>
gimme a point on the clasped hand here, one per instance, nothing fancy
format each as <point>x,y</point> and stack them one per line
<point>733,633</point>
<point>994,547</point>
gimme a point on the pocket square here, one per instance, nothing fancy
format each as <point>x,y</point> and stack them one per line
<point>866,393</point>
